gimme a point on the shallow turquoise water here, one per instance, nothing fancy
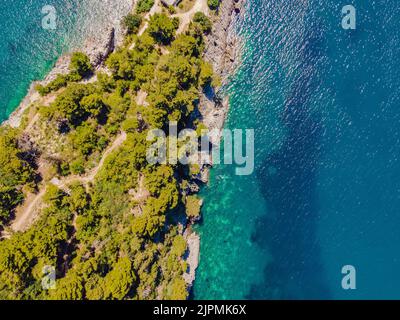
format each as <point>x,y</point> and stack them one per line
<point>28,52</point>
<point>324,103</point>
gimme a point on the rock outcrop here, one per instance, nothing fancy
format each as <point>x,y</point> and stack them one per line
<point>223,45</point>
<point>193,254</point>
<point>97,49</point>
<point>222,51</point>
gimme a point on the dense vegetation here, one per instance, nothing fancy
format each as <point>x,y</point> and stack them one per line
<point>144,6</point>
<point>118,236</point>
<point>203,21</point>
<point>80,67</point>
<point>131,23</point>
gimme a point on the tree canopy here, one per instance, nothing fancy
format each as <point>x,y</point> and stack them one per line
<point>162,28</point>
<point>131,23</point>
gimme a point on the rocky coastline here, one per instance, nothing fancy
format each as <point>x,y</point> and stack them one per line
<point>97,48</point>
<point>223,50</point>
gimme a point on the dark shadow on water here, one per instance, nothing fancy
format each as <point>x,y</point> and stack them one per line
<point>287,180</point>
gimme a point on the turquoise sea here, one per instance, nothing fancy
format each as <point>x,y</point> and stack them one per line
<point>28,52</point>
<point>324,103</point>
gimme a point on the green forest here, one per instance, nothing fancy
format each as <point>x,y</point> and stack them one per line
<point>120,234</point>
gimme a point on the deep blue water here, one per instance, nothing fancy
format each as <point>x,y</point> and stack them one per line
<point>28,52</point>
<point>324,103</point>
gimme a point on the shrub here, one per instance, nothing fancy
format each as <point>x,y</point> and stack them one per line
<point>53,195</point>
<point>64,169</point>
<point>131,23</point>
<point>206,74</point>
<point>176,290</point>
<point>203,22</point>
<point>213,4</point>
<point>162,28</point>
<point>194,168</point>
<point>59,82</point>
<point>171,9</point>
<point>77,167</point>
<point>193,206</point>
<point>80,64</point>
<point>9,199</point>
<point>144,6</point>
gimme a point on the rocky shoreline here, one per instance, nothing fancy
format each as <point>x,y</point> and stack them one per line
<point>223,51</point>
<point>223,48</point>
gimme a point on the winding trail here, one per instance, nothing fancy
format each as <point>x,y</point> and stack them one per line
<point>28,212</point>
<point>186,17</point>
<point>157,8</point>
<point>63,183</point>
<point>25,217</point>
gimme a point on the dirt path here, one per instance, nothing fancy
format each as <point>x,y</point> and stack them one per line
<point>27,213</point>
<point>141,98</point>
<point>186,17</point>
<point>26,217</point>
<point>63,183</point>
<point>157,8</point>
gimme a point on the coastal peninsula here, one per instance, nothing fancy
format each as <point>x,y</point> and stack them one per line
<point>77,196</point>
